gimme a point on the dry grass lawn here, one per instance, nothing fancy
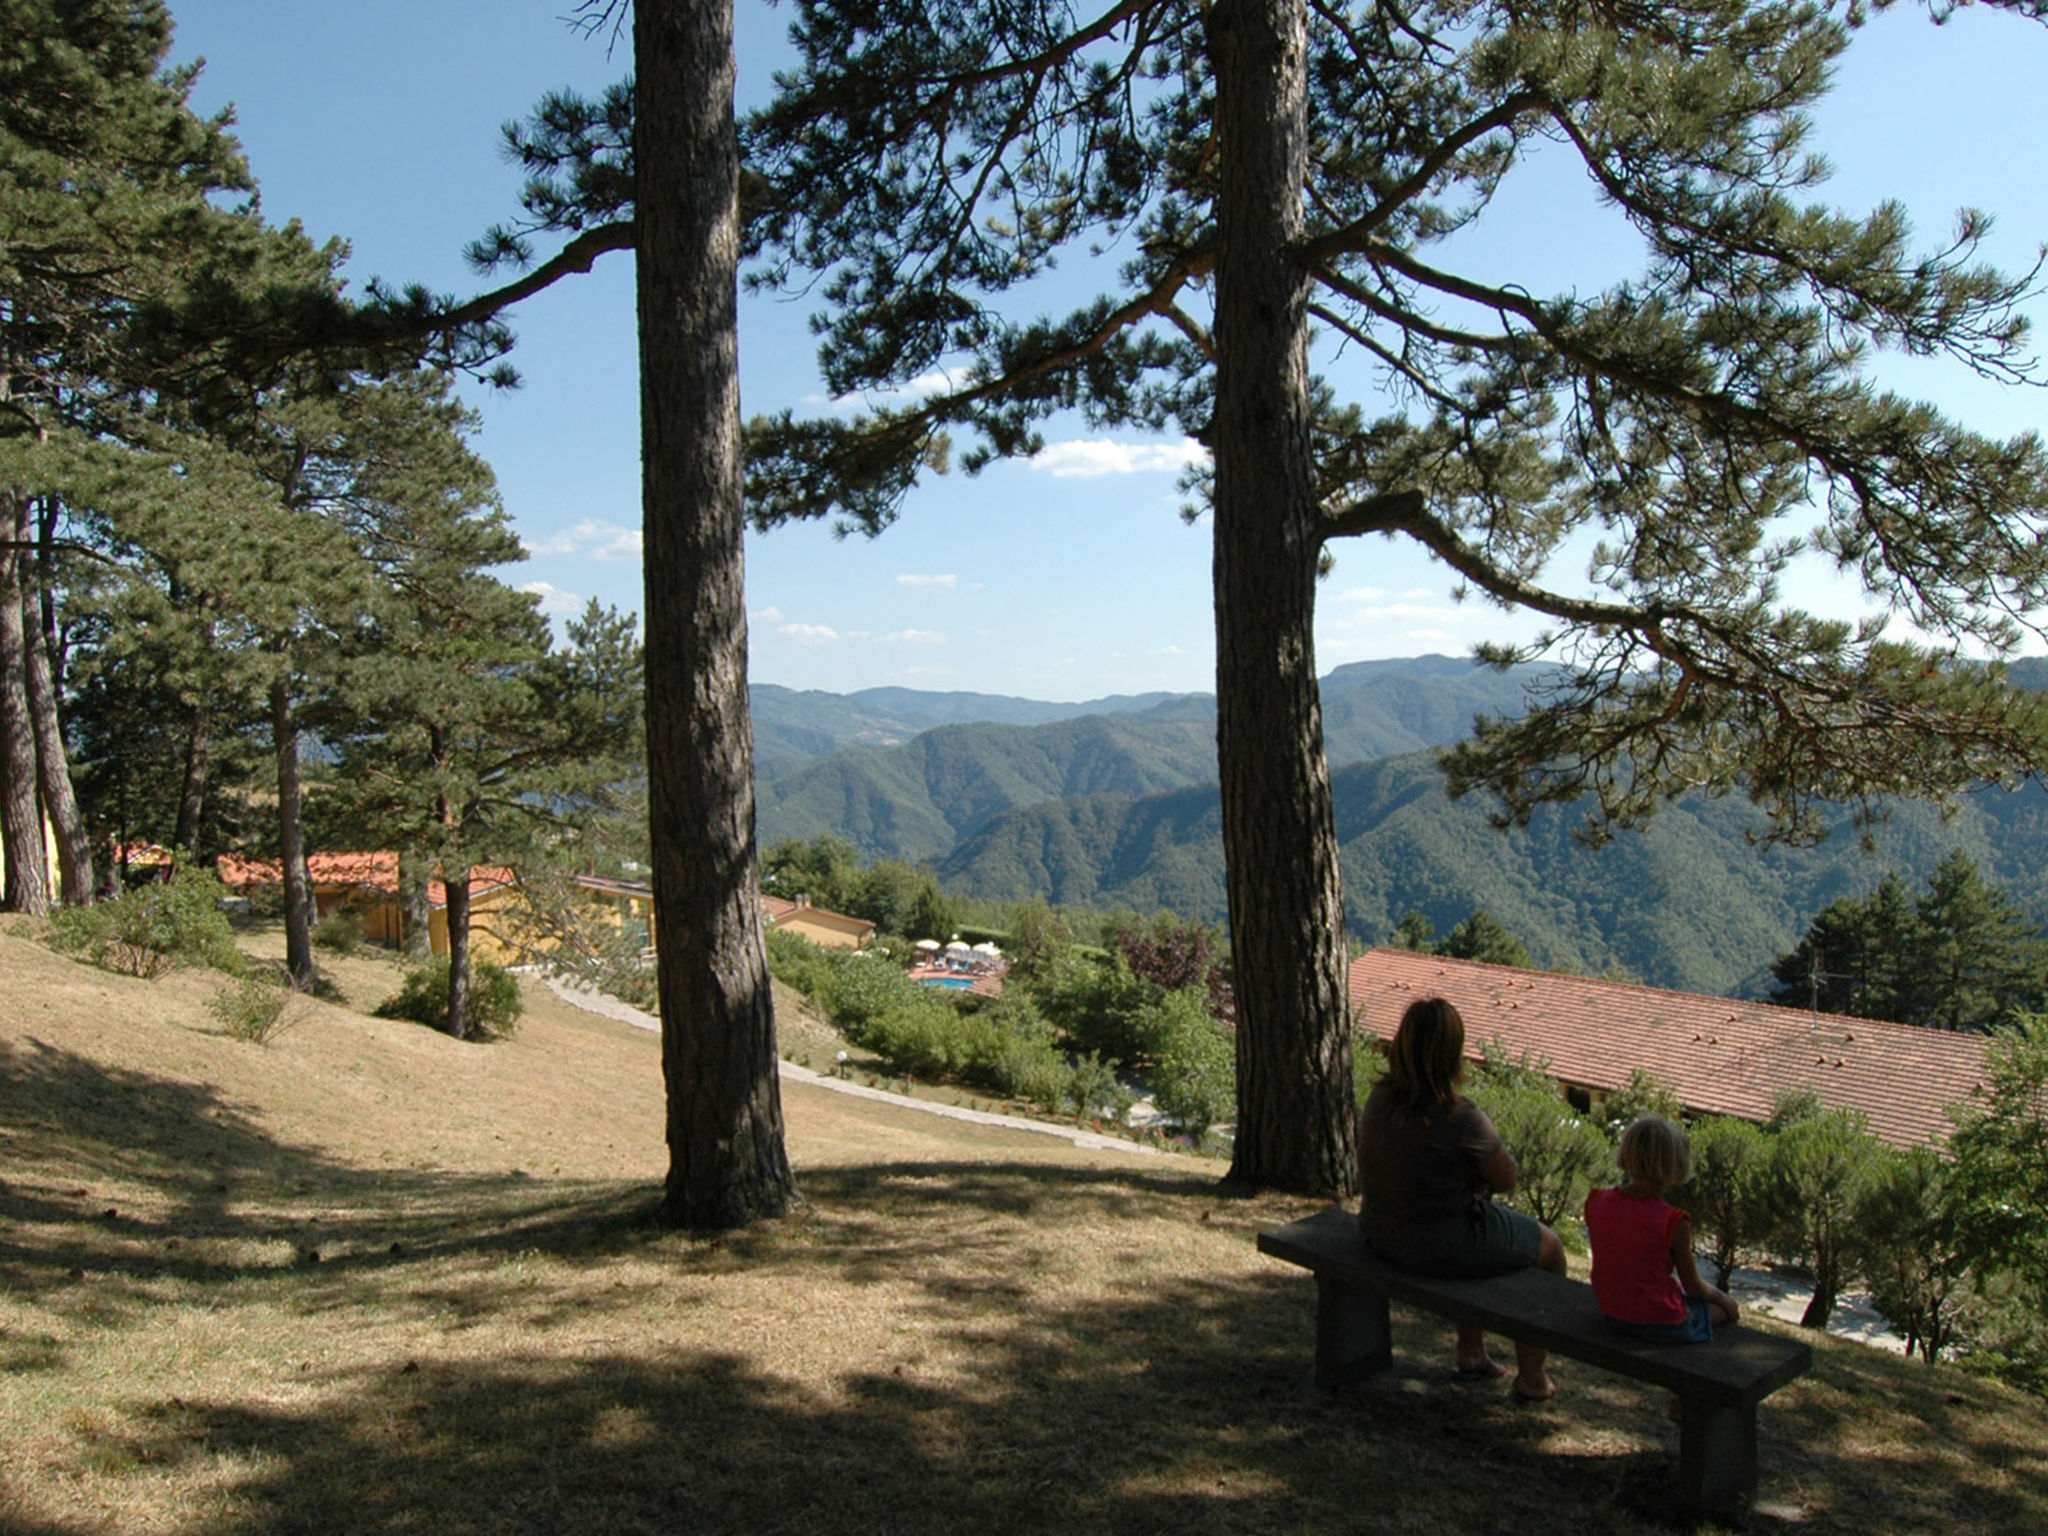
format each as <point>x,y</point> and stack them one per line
<point>366,1278</point>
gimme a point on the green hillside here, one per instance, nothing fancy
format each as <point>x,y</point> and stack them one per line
<point>905,774</point>
<point>1694,903</point>
<point>795,728</point>
<point>918,800</point>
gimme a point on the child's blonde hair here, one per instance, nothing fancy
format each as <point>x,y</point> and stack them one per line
<point>1655,1151</point>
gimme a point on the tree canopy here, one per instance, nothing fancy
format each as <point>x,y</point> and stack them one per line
<point>1961,955</point>
<point>1269,169</point>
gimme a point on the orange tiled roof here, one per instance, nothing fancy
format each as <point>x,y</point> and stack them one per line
<point>365,871</point>
<point>375,871</point>
<point>1718,1056</point>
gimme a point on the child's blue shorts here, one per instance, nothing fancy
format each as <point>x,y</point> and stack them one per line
<point>1698,1327</point>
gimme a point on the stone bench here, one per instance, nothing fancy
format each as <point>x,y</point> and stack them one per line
<point>1718,1385</point>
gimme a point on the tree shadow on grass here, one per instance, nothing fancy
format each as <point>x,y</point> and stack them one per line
<point>1040,1365</point>
<point>123,1174</point>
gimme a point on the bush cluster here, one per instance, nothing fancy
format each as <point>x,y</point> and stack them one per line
<point>1004,1045</point>
<point>339,933</point>
<point>256,1008</point>
<point>1950,1247</point>
<point>494,1001</point>
<point>154,929</point>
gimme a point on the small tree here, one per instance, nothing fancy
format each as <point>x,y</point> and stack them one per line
<point>1820,1164</point>
<point>2000,1176</point>
<point>1481,937</point>
<point>1643,1094</point>
<point>1914,1260</point>
<point>1729,1158</point>
<point>1195,1078</point>
<point>1559,1153</point>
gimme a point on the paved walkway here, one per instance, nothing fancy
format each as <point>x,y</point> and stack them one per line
<point>592,1001</point>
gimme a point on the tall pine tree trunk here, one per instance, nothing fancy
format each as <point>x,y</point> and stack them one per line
<point>192,783</point>
<point>415,930</point>
<point>1294,1125</point>
<point>727,1164</point>
<point>291,837</point>
<point>53,763</point>
<point>26,866</point>
<point>457,886</point>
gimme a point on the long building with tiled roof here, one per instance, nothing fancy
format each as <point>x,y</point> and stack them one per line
<point>1717,1056</point>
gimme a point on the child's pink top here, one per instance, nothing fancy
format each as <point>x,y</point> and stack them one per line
<point>1632,1275</point>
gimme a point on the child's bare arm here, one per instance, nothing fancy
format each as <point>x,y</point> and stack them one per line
<point>1688,1271</point>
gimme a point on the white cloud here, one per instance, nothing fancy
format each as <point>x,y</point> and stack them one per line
<point>1362,595</point>
<point>914,637</point>
<point>768,615</point>
<point>593,539</point>
<point>947,581</point>
<point>809,634</point>
<point>553,600</point>
<point>1090,457</point>
<point>938,381</point>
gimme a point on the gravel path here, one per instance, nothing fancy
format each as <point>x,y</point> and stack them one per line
<point>592,1001</point>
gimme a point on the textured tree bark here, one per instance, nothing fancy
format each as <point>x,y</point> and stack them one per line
<point>458,952</point>
<point>727,1164</point>
<point>192,787</point>
<point>26,866</point>
<point>415,933</point>
<point>1295,1114</point>
<point>53,764</point>
<point>291,838</point>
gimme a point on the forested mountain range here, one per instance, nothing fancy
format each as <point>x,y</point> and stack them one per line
<point>897,789</point>
<point>1694,903</point>
<point>795,727</point>
<point>1117,807</point>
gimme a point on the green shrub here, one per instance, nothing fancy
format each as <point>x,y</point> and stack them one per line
<point>1643,1094</point>
<point>1195,1081</point>
<point>1725,1193</point>
<point>494,1000</point>
<point>339,933</point>
<point>255,1008</point>
<point>1093,1088</point>
<point>1559,1152</point>
<point>1098,1004</point>
<point>154,929</point>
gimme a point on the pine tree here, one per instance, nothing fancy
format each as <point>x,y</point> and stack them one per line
<point>463,736</point>
<point>1982,960</point>
<point>1960,956</point>
<point>111,194</point>
<point>1269,166</point>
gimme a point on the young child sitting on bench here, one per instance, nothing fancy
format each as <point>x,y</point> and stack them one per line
<point>1644,1274</point>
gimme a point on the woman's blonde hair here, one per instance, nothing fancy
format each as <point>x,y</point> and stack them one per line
<point>1426,1062</point>
<point>1655,1151</point>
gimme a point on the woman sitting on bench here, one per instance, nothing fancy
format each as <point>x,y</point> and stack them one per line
<point>1429,1162</point>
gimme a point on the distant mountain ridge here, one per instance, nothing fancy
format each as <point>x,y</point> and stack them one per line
<point>1114,803</point>
<point>794,727</point>
<point>1694,903</point>
<point>900,790</point>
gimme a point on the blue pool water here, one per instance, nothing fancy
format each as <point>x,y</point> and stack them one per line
<point>947,981</point>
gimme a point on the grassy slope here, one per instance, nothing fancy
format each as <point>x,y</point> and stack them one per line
<point>966,1329</point>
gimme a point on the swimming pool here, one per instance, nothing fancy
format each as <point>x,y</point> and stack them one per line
<point>955,982</point>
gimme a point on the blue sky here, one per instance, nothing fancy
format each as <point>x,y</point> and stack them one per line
<point>1067,578</point>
